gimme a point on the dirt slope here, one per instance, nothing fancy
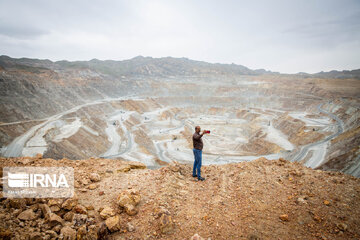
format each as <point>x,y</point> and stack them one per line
<point>257,200</point>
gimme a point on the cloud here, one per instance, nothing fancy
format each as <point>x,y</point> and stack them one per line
<point>20,31</point>
<point>286,36</point>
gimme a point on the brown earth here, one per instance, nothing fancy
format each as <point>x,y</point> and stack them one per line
<point>262,199</point>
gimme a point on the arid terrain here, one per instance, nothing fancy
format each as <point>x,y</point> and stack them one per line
<point>262,199</point>
<point>282,160</point>
<point>145,109</point>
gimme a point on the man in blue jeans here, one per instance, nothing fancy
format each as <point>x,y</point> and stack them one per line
<point>198,146</point>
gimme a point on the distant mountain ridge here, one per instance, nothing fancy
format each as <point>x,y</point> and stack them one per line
<point>139,65</point>
<point>166,66</point>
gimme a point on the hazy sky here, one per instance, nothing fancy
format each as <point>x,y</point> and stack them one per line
<point>287,36</point>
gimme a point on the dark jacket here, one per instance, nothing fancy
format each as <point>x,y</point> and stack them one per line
<point>197,141</point>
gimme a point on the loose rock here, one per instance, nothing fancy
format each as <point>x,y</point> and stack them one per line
<point>128,199</point>
<point>284,217</point>
<point>107,212</point>
<point>70,203</point>
<point>80,209</point>
<point>68,233</point>
<point>55,219</point>
<point>196,237</point>
<point>113,223</point>
<point>45,210</point>
<point>92,186</point>
<point>27,215</point>
<point>95,177</point>
<point>166,224</point>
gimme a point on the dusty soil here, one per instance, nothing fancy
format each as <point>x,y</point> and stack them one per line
<point>262,199</point>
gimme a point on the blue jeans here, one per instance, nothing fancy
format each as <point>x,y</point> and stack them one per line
<point>197,162</point>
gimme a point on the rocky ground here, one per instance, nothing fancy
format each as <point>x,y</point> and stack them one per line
<point>116,199</point>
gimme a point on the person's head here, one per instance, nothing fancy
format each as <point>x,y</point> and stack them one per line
<point>197,129</point>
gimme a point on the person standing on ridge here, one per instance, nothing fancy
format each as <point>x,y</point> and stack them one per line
<point>198,146</point>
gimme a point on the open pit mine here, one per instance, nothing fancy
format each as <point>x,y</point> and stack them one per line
<point>145,109</point>
<point>112,114</point>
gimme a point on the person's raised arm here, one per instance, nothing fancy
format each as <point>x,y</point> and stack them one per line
<point>198,136</point>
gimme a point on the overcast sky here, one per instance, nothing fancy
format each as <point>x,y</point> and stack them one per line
<point>288,36</point>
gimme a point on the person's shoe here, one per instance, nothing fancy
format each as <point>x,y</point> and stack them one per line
<point>194,175</point>
<point>201,179</point>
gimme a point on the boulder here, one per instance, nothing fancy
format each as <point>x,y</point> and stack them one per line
<point>160,211</point>
<point>80,219</point>
<point>55,219</point>
<point>45,210</point>
<point>167,225</point>
<point>57,228</point>
<point>107,212</point>
<point>68,233</point>
<point>80,209</point>
<point>92,233</point>
<point>128,199</point>
<point>81,232</point>
<point>130,209</point>
<point>27,215</point>
<point>70,203</point>
<point>84,181</point>
<point>55,208</point>
<point>94,177</point>
<point>113,223</point>
<point>69,216</point>
<point>51,233</point>
<point>131,197</point>
<point>130,227</point>
<point>55,202</point>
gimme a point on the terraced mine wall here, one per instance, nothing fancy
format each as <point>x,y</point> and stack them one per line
<point>145,109</point>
